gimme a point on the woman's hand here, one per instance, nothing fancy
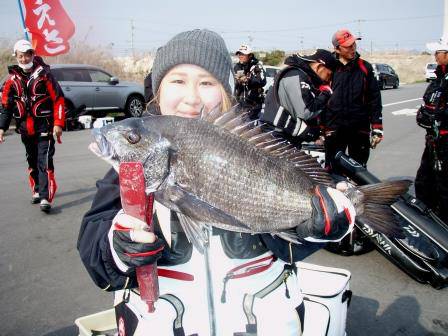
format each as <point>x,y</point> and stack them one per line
<point>332,218</point>
<point>131,245</point>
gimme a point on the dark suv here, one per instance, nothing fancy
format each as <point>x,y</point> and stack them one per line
<point>92,89</point>
<point>386,76</point>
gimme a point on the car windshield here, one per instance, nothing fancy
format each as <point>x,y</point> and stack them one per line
<point>431,66</point>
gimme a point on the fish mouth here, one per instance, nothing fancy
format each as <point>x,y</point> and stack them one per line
<point>102,148</point>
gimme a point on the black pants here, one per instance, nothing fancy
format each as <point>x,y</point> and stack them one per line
<point>39,155</point>
<point>431,185</point>
<point>354,141</point>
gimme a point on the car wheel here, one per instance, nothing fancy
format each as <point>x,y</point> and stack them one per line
<point>397,84</point>
<point>383,85</point>
<point>134,106</point>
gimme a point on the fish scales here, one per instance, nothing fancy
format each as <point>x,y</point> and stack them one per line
<point>232,175</point>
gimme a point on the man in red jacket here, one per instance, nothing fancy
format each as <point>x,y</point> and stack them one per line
<point>33,97</point>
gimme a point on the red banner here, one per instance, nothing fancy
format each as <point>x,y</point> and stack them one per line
<point>50,26</point>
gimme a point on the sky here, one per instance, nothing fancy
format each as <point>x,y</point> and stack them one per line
<point>138,26</point>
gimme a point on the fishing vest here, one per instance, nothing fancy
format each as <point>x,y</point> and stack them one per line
<point>276,115</point>
<point>31,94</point>
<point>35,100</point>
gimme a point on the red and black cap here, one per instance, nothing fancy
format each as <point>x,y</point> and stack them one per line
<point>343,38</point>
<point>322,56</point>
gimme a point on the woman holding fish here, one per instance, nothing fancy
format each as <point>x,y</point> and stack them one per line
<point>223,200</point>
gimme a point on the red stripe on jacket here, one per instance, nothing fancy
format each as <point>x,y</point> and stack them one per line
<point>58,104</point>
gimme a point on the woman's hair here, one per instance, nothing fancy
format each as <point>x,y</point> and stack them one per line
<point>226,100</point>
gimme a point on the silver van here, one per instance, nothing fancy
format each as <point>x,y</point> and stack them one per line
<point>94,90</point>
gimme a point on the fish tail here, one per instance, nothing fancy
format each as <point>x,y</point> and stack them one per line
<point>375,210</point>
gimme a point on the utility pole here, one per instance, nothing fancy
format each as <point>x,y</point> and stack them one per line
<point>250,39</point>
<point>132,39</point>
<point>301,44</point>
<point>359,27</point>
<point>87,34</point>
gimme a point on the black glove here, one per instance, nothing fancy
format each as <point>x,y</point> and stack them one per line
<point>311,133</point>
<point>126,239</point>
<point>424,117</point>
<point>332,218</point>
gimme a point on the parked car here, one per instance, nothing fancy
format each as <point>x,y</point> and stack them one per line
<point>271,71</point>
<point>94,90</point>
<point>430,71</point>
<point>386,76</point>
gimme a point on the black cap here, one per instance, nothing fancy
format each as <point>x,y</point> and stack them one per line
<point>323,57</point>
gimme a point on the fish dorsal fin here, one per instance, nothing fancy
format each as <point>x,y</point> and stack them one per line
<point>305,162</point>
<point>211,116</point>
<point>238,130</point>
<point>266,137</point>
<point>225,117</point>
<point>251,134</point>
<point>236,121</point>
<point>263,143</point>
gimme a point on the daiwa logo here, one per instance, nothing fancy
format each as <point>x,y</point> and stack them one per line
<point>305,85</point>
<point>412,231</point>
<point>378,237</point>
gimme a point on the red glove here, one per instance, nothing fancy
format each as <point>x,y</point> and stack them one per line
<point>326,88</point>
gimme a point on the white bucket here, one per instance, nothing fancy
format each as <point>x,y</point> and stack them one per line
<point>101,321</point>
<point>100,122</point>
<point>86,120</point>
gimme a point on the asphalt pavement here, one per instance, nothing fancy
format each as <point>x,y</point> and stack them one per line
<point>44,286</point>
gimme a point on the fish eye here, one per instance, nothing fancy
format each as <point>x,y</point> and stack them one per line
<point>133,137</point>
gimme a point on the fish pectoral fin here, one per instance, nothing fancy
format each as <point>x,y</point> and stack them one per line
<point>195,231</point>
<point>289,235</point>
<point>196,216</point>
<point>201,211</point>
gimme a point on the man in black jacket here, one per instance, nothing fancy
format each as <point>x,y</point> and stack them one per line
<point>431,182</point>
<point>300,93</point>
<point>353,119</point>
<point>250,78</point>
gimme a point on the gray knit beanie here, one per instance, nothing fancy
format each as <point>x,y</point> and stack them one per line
<point>201,47</point>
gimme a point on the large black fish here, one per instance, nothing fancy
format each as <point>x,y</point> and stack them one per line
<point>226,172</point>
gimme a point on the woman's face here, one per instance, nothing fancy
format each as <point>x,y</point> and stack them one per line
<point>188,88</point>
